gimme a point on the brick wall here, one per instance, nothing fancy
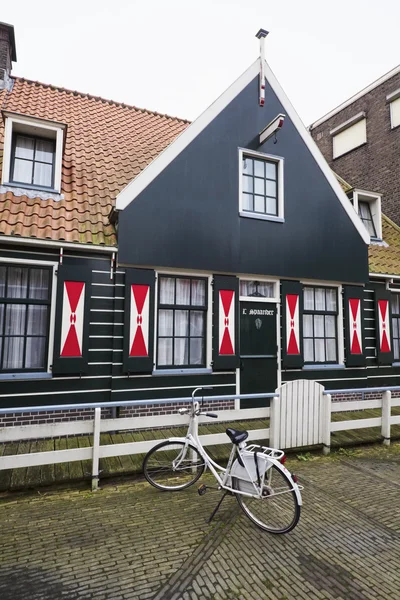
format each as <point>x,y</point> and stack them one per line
<point>375,166</point>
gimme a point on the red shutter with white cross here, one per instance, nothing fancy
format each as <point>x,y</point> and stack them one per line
<point>139,321</point>
<point>292,317</point>
<point>225,322</point>
<point>71,338</point>
<point>354,326</point>
<point>383,320</point>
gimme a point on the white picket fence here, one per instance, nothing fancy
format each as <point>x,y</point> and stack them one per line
<point>300,415</point>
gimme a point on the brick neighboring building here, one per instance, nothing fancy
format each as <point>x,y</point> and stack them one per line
<point>367,132</point>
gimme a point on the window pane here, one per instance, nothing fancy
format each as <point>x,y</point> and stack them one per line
<point>167,290</point>
<point>259,168</point>
<point>271,188</point>
<point>395,302</point>
<point>198,292</point>
<point>370,227</point>
<point>395,328</point>
<point>259,204</point>
<point>331,300</point>
<point>308,326</point>
<point>37,320</point>
<point>331,350</point>
<point>2,281</point>
<point>396,349</point>
<point>197,323</point>
<point>247,165</point>
<point>13,353</point>
<point>319,326</point>
<point>1,322</point>
<point>181,351</point>
<point>247,202</point>
<point>196,351</point>
<point>182,322</point>
<point>39,284</point>
<point>182,291</point>
<point>17,284</point>
<point>165,351</point>
<point>22,171</point>
<point>320,299</point>
<point>330,330</point>
<point>43,174</point>
<point>319,350</point>
<point>259,186</point>
<point>266,290</point>
<point>24,147</point>
<point>308,299</point>
<point>165,322</point>
<point>271,206</point>
<point>15,319</point>
<point>34,353</point>
<point>270,169</point>
<point>364,210</point>
<point>308,351</point>
<point>247,184</point>
<point>44,151</point>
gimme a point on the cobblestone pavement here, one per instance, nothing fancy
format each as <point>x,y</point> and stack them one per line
<point>129,541</point>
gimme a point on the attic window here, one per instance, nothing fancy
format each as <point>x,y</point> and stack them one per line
<point>32,153</point>
<point>368,207</point>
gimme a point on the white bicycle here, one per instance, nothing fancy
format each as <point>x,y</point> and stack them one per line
<point>265,490</point>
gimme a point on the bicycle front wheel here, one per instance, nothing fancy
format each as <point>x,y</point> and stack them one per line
<point>278,510</point>
<point>173,466</point>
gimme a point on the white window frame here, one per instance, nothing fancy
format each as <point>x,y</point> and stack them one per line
<point>375,203</point>
<point>344,127</point>
<point>38,263</point>
<point>339,326</point>
<point>35,127</point>
<point>274,299</point>
<point>279,160</point>
<point>394,98</point>
<point>191,370</point>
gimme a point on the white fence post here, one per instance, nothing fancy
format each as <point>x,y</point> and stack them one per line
<point>385,431</point>
<point>326,424</point>
<point>96,449</point>
<point>274,423</point>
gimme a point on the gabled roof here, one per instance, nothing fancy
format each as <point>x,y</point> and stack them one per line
<point>135,187</point>
<point>107,144</point>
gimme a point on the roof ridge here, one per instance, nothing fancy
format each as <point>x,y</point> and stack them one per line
<point>99,98</point>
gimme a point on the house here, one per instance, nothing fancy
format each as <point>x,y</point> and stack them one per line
<point>360,139</point>
<point>141,256</point>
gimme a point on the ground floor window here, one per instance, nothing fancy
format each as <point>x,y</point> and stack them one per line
<point>396,325</point>
<point>320,325</point>
<point>181,327</point>
<point>25,298</point>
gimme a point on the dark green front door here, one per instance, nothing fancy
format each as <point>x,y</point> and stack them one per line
<point>258,351</point>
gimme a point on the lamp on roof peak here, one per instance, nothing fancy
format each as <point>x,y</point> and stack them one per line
<point>261,35</point>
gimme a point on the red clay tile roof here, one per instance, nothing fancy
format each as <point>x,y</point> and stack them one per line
<point>107,145</point>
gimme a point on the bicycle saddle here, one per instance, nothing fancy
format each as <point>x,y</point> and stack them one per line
<point>237,436</point>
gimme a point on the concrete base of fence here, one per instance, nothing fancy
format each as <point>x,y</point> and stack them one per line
<point>326,450</point>
<point>386,441</point>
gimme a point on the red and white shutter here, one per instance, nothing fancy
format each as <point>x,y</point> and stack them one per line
<point>292,315</point>
<point>71,339</point>
<point>72,318</point>
<point>139,321</point>
<point>292,324</point>
<point>354,326</point>
<point>225,322</point>
<point>383,319</point>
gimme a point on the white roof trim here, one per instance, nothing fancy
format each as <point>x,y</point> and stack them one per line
<point>359,94</point>
<point>141,181</point>
<point>316,153</point>
<point>137,185</point>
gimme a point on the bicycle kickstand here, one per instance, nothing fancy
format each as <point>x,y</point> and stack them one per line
<point>214,512</point>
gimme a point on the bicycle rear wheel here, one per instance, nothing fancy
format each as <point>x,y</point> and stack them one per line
<point>278,511</point>
<point>173,466</point>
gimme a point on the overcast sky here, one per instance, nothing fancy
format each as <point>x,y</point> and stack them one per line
<point>177,56</point>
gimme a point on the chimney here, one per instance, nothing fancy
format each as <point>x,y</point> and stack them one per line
<point>8,53</point>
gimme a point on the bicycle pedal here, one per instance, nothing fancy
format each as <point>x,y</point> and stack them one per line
<point>202,489</point>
